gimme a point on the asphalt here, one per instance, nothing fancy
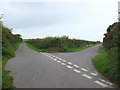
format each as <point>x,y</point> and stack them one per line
<point>32,69</point>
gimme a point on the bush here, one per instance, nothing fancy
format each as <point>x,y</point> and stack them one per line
<point>59,44</point>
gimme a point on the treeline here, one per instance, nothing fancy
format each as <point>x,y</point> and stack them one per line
<point>59,44</point>
<point>9,44</point>
<point>111,43</point>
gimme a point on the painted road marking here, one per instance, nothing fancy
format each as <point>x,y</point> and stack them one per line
<point>87,76</point>
<point>76,66</point>
<point>100,83</point>
<point>106,81</point>
<point>69,66</point>
<point>54,59</point>
<point>84,69</point>
<point>59,61</point>
<point>76,70</point>
<point>70,63</point>
<point>95,74</point>
<point>63,60</point>
<point>63,63</point>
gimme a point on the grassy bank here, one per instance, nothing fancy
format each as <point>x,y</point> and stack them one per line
<point>67,50</point>
<point>106,65</point>
<point>6,79</point>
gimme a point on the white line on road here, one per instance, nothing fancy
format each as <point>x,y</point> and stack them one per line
<point>76,66</point>
<point>69,66</point>
<point>76,70</point>
<point>87,76</point>
<point>106,81</point>
<point>100,83</point>
<point>63,60</point>
<point>84,69</point>
<point>70,63</point>
<point>95,74</point>
<point>59,61</point>
<point>54,59</point>
<point>63,63</point>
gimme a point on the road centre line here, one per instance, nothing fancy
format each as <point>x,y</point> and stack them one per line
<point>76,66</point>
<point>87,76</point>
<point>63,63</point>
<point>63,60</point>
<point>59,61</point>
<point>93,74</point>
<point>84,69</point>
<point>69,66</point>
<point>106,82</point>
<point>70,63</point>
<point>54,59</point>
<point>76,70</point>
<point>100,83</point>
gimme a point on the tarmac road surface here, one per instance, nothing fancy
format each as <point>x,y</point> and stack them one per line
<point>32,69</point>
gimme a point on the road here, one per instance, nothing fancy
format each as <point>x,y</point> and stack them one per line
<point>32,69</point>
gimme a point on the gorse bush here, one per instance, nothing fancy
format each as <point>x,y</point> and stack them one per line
<point>59,44</point>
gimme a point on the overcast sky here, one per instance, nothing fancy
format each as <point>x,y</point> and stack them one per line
<point>82,20</point>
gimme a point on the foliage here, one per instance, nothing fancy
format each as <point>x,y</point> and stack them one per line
<point>9,44</point>
<point>106,66</point>
<point>59,44</point>
<point>107,62</point>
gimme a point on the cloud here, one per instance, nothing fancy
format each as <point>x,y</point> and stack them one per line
<point>83,20</point>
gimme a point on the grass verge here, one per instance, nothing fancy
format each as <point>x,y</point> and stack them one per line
<point>6,79</point>
<point>68,49</point>
<point>106,66</point>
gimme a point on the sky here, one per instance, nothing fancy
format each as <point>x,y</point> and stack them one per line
<point>83,19</point>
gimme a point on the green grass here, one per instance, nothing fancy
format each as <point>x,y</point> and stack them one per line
<point>106,65</point>
<point>6,79</point>
<point>68,49</point>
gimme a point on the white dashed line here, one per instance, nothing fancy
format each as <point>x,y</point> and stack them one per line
<point>100,83</point>
<point>63,60</point>
<point>76,66</point>
<point>84,69</point>
<point>69,66</point>
<point>54,59</point>
<point>70,63</point>
<point>57,57</point>
<point>63,63</point>
<point>76,70</point>
<point>93,74</point>
<point>87,76</point>
<point>106,81</point>
<point>59,61</point>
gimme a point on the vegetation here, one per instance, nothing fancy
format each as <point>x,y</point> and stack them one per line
<point>59,44</point>
<point>10,42</point>
<point>107,61</point>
